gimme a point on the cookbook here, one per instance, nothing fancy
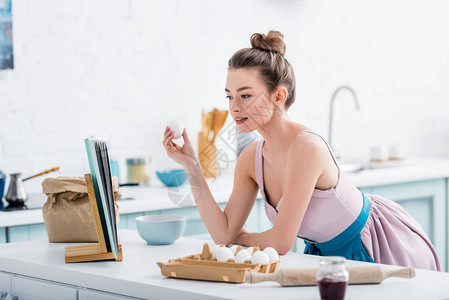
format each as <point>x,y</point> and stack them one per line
<point>97,153</point>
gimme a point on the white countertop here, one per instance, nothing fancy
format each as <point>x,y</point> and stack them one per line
<point>401,172</point>
<point>139,276</point>
<point>158,197</point>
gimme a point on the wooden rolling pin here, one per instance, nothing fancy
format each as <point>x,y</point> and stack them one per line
<point>302,277</point>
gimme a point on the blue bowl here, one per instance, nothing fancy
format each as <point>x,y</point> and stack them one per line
<point>172,177</point>
<point>160,229</point>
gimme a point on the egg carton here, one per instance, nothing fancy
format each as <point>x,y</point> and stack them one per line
<point>203,266</point>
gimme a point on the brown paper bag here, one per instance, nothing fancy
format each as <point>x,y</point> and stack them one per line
<point>67,212</point>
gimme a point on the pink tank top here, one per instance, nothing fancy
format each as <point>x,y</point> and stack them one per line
<point>329,212</point>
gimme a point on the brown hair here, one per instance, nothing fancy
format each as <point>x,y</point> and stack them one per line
<point>267,56</point>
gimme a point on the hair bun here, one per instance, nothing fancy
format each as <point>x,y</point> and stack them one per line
<point>273,41</point>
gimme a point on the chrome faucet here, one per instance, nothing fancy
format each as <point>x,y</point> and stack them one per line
<point>331,115</point>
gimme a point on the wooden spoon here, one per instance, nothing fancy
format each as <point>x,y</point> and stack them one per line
<point>208,120</point>
<point>219,120</point>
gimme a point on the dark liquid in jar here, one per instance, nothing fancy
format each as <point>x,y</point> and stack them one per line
<point>332,290</point>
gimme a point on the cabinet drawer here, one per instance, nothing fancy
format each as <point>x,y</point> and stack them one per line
<point>26,232</point>
<point>97,295</point>
<point>36,289</point>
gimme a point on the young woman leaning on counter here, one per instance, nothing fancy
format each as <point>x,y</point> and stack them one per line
<point>305,193</point>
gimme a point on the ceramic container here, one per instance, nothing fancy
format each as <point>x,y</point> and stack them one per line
<point>160,229</point>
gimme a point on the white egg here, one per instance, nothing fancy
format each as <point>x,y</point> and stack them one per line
<point>241,256</point>
<point>177,128</point>
<point>260,257</point>
<point>233,248</point>
<point>223,254</point>
<point>250,250</point>
<point>272,254</point>
<point>214,250</point>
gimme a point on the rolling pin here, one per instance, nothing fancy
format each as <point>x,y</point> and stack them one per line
<point>303,277</point>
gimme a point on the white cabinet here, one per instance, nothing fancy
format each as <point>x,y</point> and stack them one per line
<point>27,288</point>
<point>36,289</point>
<point>97,295</point>
<point>5,283</point>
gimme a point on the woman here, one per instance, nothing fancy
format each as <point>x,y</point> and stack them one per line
<point>305,194</point>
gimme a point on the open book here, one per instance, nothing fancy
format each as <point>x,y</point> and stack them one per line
<point>97,153</point>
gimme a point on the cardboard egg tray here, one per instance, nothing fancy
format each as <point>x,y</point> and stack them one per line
<point>203,266</point>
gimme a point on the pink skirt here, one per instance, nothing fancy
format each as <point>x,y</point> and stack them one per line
<point>391,236</point>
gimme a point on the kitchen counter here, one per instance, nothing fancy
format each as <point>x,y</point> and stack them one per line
<point>400,172</point>
<point>139,276</point>
<point>158,197</point>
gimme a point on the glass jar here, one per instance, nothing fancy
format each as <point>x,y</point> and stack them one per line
<point>332,278</point>
<point>138,169</point>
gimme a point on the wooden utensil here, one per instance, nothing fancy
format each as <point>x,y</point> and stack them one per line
<point>303,277</point>
<point>219,120</point>
<point>42,173</point>
<point>208,123</point>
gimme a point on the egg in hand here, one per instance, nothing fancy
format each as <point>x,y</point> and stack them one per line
<point>177,129</point>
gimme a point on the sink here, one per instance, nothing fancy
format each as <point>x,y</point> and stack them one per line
<point>357,167</point>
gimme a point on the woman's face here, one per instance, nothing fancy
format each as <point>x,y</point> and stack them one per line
<point>250,104</point>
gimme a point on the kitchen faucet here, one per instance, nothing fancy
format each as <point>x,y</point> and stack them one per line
<point>331,115</point>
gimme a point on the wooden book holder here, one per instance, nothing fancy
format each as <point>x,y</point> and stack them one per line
<point>97,251</point>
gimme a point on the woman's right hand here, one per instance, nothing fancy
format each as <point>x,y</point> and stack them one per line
<point>185,155</point>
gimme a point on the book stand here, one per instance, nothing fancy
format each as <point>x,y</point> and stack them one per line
<point>97,251</point>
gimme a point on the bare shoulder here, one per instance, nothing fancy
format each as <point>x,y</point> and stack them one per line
<point>246,160</point>
<point>308,146</point>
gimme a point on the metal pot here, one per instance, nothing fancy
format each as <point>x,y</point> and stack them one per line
<point>16,194</point>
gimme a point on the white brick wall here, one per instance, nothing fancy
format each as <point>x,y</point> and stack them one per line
<point>127,67</point>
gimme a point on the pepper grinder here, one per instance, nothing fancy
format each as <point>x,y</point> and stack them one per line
<point>16,194</point>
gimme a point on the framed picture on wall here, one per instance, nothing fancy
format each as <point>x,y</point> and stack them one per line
<point>6,54</point>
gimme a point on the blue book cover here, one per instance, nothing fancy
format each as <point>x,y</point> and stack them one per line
<point>101,178</point>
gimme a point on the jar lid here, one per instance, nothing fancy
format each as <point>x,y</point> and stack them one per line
<point>137,161</point>
<point>333,260</point>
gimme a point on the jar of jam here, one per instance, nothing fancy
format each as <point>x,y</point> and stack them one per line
<point>332,278</point>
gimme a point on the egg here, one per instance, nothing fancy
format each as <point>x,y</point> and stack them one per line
<point>260,257</point>
<point>241,256</point>
<point>272,254</point>
<point>233,248</point>
<point>214,250</point>
<point>223,254</point>
<point>177,128</point>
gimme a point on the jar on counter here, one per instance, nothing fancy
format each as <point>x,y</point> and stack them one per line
<point>332,278</point>
<point>138,169</point>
